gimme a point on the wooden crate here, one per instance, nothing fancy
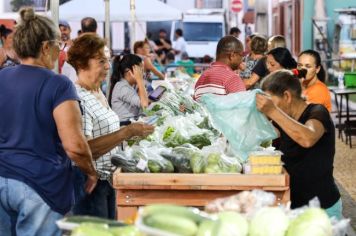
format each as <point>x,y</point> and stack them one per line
<point>139,189</point>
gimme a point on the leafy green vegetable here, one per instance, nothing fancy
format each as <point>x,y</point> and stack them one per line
<point>156,108</point>
<point>168,133</point>
<point>138,154</point>
<point>314,221</point>
<point>125,231</point>
<point>181,157</point>
<point>229,222</point>
<point>197,163</point>
<point>269,221</point>
<point>200,140</point>
<point>161,166</point>
<point>173,138</point>
<point>216,163</point>
<point>206,228</point>
<point>91,229</point>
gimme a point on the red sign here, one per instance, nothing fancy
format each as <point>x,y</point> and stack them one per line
<point>236,5</point>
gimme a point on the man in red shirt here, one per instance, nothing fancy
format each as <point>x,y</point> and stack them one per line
<point>220,77</point>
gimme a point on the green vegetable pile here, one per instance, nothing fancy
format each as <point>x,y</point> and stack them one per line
<point>95,229</point>
<point>267,221</point>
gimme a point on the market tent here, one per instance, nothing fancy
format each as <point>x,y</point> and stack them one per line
<point>146,10</point>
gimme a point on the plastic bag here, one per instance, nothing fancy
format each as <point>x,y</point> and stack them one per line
<point>128,164</point>
<point>237,117</point>
<point>339,227</point>
<point>246,202</point>
<point>142,159</point>
<point>214,160</point>
<point>181,157</point>
<point>180,130</point>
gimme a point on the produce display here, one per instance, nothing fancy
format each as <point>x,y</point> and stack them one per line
<point>251,215</point>
<point>92,229</point>
<point>244,214</point>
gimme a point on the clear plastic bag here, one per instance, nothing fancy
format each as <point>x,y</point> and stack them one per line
<point>237,117</point>
<point>143,159</point>
<point>180,130</point>
<point>246,202</point>
<point>181,157</point>
<point>336,227</point>
<point>213,160</point>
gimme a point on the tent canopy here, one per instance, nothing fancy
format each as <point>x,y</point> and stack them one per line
<point>146,10</point>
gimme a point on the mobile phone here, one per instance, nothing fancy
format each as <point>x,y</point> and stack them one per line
<point>157,93</point>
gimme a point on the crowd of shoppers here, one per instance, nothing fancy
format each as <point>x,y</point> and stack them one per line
<point>64,131</point>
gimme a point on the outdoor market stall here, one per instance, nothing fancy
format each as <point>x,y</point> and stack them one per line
<point>139,189</point>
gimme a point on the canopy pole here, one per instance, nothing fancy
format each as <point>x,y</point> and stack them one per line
<point>133,23</point>
<point>55,19</point>
<point>107,23</point>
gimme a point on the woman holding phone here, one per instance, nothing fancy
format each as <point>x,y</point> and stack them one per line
<point>127,94</point>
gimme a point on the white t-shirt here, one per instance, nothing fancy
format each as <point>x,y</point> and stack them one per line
<point>180,45</point>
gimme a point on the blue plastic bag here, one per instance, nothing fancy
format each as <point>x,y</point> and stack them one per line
<point>237,117</point>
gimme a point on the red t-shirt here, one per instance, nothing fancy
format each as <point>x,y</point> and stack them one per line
<point>218,79</point>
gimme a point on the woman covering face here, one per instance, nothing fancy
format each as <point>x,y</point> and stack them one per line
<point>313,85</point>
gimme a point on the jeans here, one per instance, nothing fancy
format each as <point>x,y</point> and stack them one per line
<point>100,203</point>
<point>23,212</point>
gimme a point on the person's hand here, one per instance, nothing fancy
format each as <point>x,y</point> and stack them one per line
<point>265,104</point>
<point>182,108</point>
<point>242,66</point>
<point>140,129</point>
<point>91,182</point>
<point>137,73</point>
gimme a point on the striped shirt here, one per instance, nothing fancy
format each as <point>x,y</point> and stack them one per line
<point>218,79</point>
<point>98,120</point>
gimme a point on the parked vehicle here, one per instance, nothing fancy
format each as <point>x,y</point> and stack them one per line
<point>202,29</point>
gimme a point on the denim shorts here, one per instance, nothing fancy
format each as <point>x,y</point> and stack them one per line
<point>23,212</point>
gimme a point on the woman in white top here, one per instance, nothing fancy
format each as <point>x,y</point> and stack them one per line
<point>101,125</point>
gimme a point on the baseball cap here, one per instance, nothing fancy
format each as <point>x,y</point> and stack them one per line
<point>64,23</point>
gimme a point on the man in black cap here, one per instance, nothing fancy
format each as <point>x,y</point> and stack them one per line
<point>66,42</point>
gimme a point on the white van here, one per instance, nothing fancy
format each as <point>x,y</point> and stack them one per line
<point>202,29</point>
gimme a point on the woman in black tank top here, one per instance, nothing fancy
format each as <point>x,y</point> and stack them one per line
<point>307,140</point>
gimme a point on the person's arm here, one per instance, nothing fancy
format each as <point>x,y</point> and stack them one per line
<point>306,135</point>
<point>2,56</point>
<point>103,144</point>
<point>165,44</point>
<point>149,66</point>
<point>249,83</point>
<point>69,125</point>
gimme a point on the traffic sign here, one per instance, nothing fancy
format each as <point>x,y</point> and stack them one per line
<point>236,5</point>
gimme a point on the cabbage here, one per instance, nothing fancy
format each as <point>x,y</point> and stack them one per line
<point>269,221</point>
<point>314,221</point>
<point>230,224</point>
